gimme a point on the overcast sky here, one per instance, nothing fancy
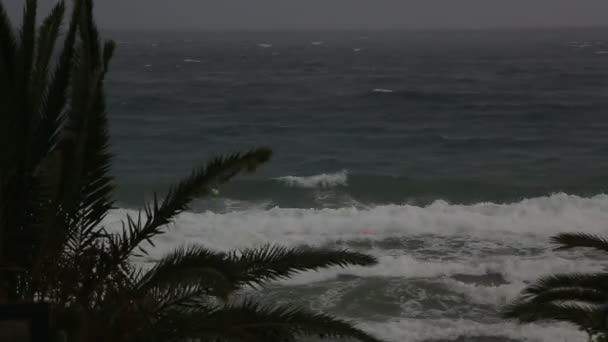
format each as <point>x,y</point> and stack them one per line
<point>341,14</point>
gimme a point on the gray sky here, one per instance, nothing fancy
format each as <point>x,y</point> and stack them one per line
<point>341,14</point>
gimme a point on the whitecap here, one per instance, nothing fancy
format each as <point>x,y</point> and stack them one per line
<point>415,330</point>
<point>188,60</point>
<point>382,90</point>
<point>317,43</point>
<point>516,271</point>
<point>524,224</point>
<point>324,180</point>
<point>265,45</point>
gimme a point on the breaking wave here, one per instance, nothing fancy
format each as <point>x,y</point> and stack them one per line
<point>324,180</point>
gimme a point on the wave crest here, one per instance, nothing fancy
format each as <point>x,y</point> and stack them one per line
<point>382,91</point>
<point>523,224</point>
<point>324,180</point>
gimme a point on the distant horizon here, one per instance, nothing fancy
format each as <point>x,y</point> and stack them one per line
<point>337,15</point>
<point>355,30</point>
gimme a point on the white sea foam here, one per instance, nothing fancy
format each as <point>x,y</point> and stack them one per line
<point>602,52</point>
<point>265,45</point>
<point>317,43</point>
<point>527,222</point>
<point>580,45</point>
<point>325,180</point>
<point>382,90</point>
<point>482,229</point>
<point>447,329</point>
<point>516,271</point>
<point>188,60</point>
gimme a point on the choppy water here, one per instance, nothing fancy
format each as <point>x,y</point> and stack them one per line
<point>453,157</point>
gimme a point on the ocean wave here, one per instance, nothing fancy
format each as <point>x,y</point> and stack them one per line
<point>451,268</point>
<point>265,45</point>
<point>517,223</point>
<point>382,90</point>
<point>445,330</point>
<point>515,271</point>
<point>189,60</point>
<point>324,180</point>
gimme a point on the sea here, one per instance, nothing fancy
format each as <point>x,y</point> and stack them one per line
<point>451,156</point>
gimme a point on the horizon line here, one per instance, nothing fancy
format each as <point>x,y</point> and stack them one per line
<point>346,30</point>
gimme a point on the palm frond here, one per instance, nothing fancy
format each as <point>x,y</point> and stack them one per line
<point>574,240</point>
<point>192,266</point>
<point>24,61</point>
<point>230,271</point>
<point>8,43</point>
<point>108,51</point>
<point>268,263</point>
<point>159,213</point>
<point>88,183</point>
<point>265,323</point>
<point>569,294</point>
<point>180,297</point>
<point>586,317</point>
<point>48,34</point>
<point>56,97</point>
<point>597,281</point>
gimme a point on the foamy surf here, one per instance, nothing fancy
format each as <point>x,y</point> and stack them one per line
<point>415,330</point>
<point>530,221</point>
<point>450,267</point>
<point>324,180</point>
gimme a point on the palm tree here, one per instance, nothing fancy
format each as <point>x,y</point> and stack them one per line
<point>580,298</point>
<point>56,189</point>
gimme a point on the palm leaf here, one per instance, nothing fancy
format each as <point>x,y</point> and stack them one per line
<point>88,185</point>
<point>25,58</point>
<point>264,323</point>
<point>57,93</point>
<point>230,271</point>
<point>8,45</point>
<point>48,34</point>
<point>193,266</point>
<point>200,182</point>
<point>586,317</point>
<point>569,294</point>
<point>598,281</point>
<point>573,240</point>
<point>268,263</point>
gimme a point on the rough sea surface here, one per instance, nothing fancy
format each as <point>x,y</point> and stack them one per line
<point>451,156</point>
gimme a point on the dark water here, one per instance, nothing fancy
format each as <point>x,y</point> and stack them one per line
<point>452,156</point>
<point>498,115</point>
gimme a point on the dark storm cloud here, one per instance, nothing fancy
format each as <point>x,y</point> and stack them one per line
<point>343,14</point>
